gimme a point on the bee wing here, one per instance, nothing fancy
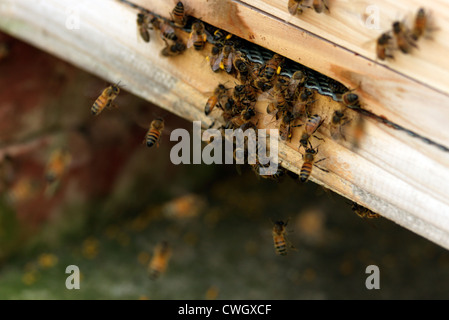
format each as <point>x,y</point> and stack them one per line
<point>229,62</point>
<point>191,40</point>
<point>217,62</point>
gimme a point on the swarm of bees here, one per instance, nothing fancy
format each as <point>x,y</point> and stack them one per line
<point>402,37</point>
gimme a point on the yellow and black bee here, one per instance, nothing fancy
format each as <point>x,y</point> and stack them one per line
<point>309,162</point>
<point>154,133</point>
<point>105,99</point>
<point>279,240</point>
<point>363,212</point>
<point>178,15</point>
<point>198,36</point>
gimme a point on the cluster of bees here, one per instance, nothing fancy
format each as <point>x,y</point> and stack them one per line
<point>404,38</point>
<point>290,100</point>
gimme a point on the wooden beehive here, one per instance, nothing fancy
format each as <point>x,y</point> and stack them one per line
<point>401,174</point>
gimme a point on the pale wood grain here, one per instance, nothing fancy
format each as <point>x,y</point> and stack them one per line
<point>393,174</point>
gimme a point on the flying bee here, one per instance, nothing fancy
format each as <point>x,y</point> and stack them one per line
<point>296,6</point>
<point>309,162</point>
<point>174,49</point>
<point>225,58</point>
<point>105,99</point>
<point>312,124</point>
<point>384,46</point>
<point>197,37</point>
<point>154,132</point>
<point>320,5</point>
<point>215,100</point>
<point>143,25</point>
<point>363,212</point>
<point>337,122</point>
<point>21,191</point>
<point>57,164</point>
<point>403,36</point>
<point>159,261</point>
<point>178,15</point>
<point>279,240</point>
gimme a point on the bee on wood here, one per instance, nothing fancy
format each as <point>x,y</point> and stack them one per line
<point>266,75</point>
<point>105,99</point>
<point>363,212</point>
<point>296,6</point>
<point>226,58</point>
<point>215,100</point>
<point>213,58</point>
<point>243,66</point>
<point>154,132</point>
<point>320,5</point>
<point>351,100</point>
<point>143,25</point>
<point>337,122</point>
<point>309,162</point>
<point>384,46</point>
<point>160,259</point>
<point>279,240</point>
<point>422,25</point>
<point>178,15</point>
<point>312,124</point>
<point>173,49</point>
<point>297,82</point>
<point>403,37</point>
<point>197,37</point>
<point>285,128</point>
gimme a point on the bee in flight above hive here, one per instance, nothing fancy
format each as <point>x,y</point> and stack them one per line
<point>154,132</point>
<point>106,98</point>
<point>159,261</point>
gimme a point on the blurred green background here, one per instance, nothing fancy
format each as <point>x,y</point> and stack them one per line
<point>118,199</point>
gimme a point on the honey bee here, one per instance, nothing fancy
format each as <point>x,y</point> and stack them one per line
<point>143,24</point>
<point>246,94</point>
<point>320,5</point>
<point>241,120</point>
<point>21,191</point>
<point>422,24</point>
<point>285,129</point>
<point>309,162</point>
<point>351,100</point>
<point>271,68</point>
<point>363,212</point>
<point>213,58</point>
<point>178,15</point>
<point>57,164</point>
<point>4,50</point>
<point>220,35</point>
<point>225,59</point>
<point>197,37</point>
<point>242,65</point>
<point>159,261</point>
<point>337,122</point>
<point>403,36</point>
<point>296,6</point>
<point>280,243</point>
<point>384,46</point>
<point>312,124</point>
<point>154,133</point>
<point>105,99</point>
<point>166,29</point>
<point>215,100</point>
<point>174,49</point>
<point>297,81</point>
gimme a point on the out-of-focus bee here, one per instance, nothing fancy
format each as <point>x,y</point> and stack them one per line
<point>422,24</point>
<point>215,100</point>
<point>312,124</point>
<point>337,122</point>
<point>296,6</point>
<point>225,59</point>
<point>363,212</point>
<point>4,50</point>
<point>173,49</point>
<point>197,37</point>
<point>320,5</point>
<point>384,46</point>
<point>309,162</point>
<point>105,99</point>
<point>403,36</point>
<point>21,191</point>
<point>143,25</point>
<point>160,259</point>
<point>166,29</point>
<point>178,15</point>
<point>280,243</point>
<point>154,133</point>
<point>57,164</point>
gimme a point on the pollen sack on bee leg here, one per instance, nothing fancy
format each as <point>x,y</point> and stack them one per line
<point>265,144</point>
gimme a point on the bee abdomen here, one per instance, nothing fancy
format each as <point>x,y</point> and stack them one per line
<point>280,247</point>
<point>305,172</point>
<point>152,137</point>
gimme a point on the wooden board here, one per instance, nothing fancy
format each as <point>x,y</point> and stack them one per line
<point>401,177</point>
